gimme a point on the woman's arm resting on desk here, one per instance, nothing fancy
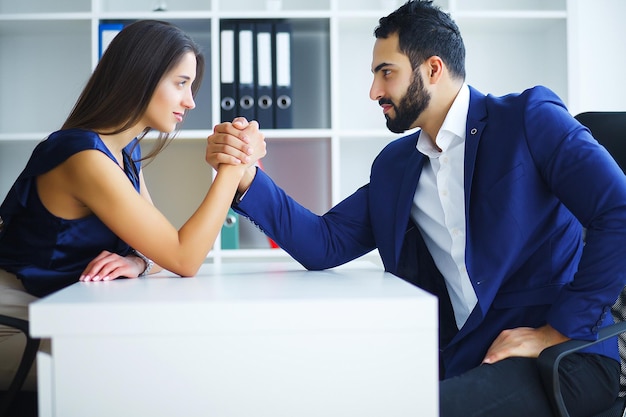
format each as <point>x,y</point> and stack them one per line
<point>107,265</point>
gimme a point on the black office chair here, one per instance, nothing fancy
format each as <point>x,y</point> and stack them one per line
<point>13,402</point>
<point>609,128</point>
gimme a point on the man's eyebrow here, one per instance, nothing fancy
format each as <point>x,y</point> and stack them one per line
<point>380,66</point>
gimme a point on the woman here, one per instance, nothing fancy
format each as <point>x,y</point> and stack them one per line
<point>80,210</point>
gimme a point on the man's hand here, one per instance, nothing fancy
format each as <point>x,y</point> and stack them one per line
<point>239,142</point>
<point>523,342</point>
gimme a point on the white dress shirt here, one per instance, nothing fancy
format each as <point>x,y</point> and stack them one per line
<point>439,205</point>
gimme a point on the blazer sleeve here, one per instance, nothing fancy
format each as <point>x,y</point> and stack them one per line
<point>583,175</point>
<point>316,241</point>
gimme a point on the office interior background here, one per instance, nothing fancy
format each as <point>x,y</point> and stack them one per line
<point>48,50</point>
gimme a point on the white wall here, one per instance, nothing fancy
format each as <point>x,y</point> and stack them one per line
<point>597,55</point>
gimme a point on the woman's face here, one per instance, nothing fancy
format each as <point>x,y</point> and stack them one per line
<point>172,96</point>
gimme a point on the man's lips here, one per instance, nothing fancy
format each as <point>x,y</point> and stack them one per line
<point>386,105</point>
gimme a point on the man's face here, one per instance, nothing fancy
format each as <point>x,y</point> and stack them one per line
<point>398,89</point>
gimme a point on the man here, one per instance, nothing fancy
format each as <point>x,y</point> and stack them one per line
<point>484,206</point>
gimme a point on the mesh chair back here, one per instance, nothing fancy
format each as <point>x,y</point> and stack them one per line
<point>609,128</point>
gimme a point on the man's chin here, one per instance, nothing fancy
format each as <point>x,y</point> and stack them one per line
<point>393,127</point>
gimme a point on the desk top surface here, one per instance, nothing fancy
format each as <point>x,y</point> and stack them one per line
<point>263,295</point>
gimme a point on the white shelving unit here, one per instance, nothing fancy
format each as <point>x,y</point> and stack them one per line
<point>48,50</point>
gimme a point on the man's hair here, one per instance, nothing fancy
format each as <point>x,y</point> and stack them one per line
<point>424,31</point>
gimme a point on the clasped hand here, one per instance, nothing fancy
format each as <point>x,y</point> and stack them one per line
<point>239,142</point>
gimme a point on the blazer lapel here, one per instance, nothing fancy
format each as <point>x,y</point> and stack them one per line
<point>476,121</point>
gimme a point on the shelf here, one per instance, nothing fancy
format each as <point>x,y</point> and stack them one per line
<point>44,67</point>
<point>302,168</point>
<point>121,6</point>
<point>373,7</point>
<point>178,179</point>
<point>490,55</point>
<point>48,50</point>
<point>44,6</point>
<point>274,7</point>
<point>13,158</point>
<point>487,6</point>
<point>356,110</point>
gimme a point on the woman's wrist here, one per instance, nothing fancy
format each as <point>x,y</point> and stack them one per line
<point>147,263</point>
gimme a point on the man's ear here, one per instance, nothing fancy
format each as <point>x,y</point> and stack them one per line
<point>434,68</point>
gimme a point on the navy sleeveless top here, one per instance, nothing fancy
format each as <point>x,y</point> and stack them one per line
<point>46,252</point>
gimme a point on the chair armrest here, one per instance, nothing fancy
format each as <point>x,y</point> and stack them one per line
<point>21,325</point>
<point>550,358</point>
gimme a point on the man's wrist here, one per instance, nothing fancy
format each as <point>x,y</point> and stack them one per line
<point>244,184</point>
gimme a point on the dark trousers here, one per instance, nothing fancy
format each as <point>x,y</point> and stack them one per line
<point>512,387</point>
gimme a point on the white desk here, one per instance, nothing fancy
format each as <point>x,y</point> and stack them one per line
<point>246,340</point>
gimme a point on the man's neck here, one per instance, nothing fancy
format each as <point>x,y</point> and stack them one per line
<point>439,108</point>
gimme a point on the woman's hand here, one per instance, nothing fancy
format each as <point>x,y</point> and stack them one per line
<point>236,143</point>
<point>107,266</point>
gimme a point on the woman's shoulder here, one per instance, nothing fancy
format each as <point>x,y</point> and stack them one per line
<point>60,146</point>
<point>72,139</point>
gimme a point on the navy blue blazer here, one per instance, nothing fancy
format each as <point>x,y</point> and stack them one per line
<point>534,177</point>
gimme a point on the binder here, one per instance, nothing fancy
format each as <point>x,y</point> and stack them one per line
<point>106,33</point>
<point>264,76</point>
<point>230,231</point>
<point>283,118</point>
<point>245,80</point>
<point>228,91</point>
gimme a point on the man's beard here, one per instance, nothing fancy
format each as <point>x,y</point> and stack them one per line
<point>411,106</point>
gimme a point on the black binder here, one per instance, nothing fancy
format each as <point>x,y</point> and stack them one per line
<point>282,81</point>
<point>264,76</point>
<point>245,80</point>
<point>228,91</point>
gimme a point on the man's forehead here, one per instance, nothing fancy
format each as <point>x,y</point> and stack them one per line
<point>386,51</point>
